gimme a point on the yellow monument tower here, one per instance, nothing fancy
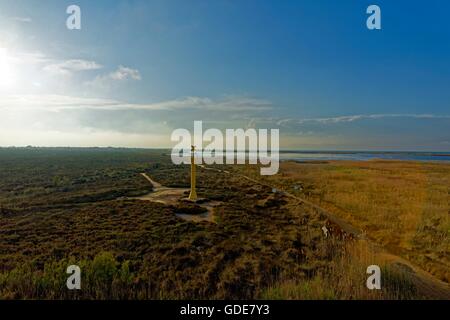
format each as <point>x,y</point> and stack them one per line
<point>193,194</point>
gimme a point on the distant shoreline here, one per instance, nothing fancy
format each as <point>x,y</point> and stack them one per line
<point>284,155</point>
<point>435,153</point>
<point>365,156</point>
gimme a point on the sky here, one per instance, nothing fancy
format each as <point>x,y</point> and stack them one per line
<point>137,70</point>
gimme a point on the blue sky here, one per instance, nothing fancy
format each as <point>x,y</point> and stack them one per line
<point>139,69</point>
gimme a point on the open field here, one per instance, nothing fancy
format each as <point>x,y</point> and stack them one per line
<point>401,205</point>
<point>79,206</point>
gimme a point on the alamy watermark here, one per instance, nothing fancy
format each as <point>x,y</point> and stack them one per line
<point>374,20</point>
<point>74,280</point>
<point>374,280</point>
<point>73,21</point>
<point>236,146</point>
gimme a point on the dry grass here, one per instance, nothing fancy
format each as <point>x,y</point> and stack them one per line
<point>345,278</point>
<point>404,206</point>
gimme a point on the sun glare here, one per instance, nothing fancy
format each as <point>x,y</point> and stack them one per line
<point>7,76</point>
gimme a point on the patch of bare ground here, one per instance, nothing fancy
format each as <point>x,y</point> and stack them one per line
<point>195,212</point>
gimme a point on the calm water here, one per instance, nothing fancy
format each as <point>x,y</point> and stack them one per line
<point>344,155</point>
<point>338,155</point>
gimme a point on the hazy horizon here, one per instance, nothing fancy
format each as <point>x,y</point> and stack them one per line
<point>281,149</point>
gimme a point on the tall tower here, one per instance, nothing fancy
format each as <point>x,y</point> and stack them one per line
<point>193,194</point>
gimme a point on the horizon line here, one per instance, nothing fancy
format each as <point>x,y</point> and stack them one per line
<point>284,150</point>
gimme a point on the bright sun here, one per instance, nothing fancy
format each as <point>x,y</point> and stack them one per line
<point>7,75</point>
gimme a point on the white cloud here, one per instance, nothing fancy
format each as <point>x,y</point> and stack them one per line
<point>51,102</point>
<point>22,19</point>
<point>352,118</point>
<point>61,102</point>
<point>121,74</point>
<point>69,66</point>
<point>225,105</point>
<point>124,73</point>
<point>25,58</point>
<point>48,64</point>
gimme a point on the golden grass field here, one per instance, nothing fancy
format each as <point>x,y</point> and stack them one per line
<point>345,277</point>
<point>401,205</point>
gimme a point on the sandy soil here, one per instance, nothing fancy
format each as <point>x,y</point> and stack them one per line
<point>171,196</point>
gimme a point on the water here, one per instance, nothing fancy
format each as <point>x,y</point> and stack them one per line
<point>362,156</point>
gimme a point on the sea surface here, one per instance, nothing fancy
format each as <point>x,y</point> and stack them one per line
<point>364,155</point>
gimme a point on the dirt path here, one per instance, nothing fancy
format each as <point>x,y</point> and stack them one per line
<point>171,196</point>
<point>426,283</point>
<point>155,184</point>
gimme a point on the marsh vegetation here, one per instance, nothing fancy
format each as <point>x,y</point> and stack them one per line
<point>70,206</point>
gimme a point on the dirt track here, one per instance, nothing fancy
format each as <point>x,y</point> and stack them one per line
<point>171,196</point>
<point>155,184</point>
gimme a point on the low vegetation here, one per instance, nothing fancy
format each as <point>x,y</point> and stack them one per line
<point>261,244</point>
